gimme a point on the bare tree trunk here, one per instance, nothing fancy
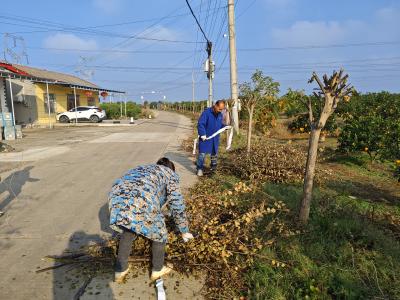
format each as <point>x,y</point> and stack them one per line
<point>309,175</point>
<point>249,130</point>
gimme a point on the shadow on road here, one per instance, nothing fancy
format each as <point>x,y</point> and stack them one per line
<point>13,185</point>
<point>86,280</point>
<point>104,219</point>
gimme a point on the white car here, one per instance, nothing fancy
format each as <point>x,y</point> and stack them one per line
<point>82,113</point>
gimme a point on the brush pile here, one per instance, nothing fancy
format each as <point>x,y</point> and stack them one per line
<point>273,162</point>
<point>226,225</point>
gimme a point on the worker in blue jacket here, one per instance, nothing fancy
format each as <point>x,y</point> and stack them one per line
<point>210,121</point>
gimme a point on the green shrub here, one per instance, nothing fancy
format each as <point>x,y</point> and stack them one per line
<point>113,110</point>
<point>295,107</point>
<point>372,124</point>
<point>292,103</point>
<point>301,124</point>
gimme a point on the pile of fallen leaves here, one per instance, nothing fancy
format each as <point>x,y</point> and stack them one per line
<point>268,161</point>
<point>231,222</point>
<point>225,242</point>
<point>226,225</point>
<point>6,148</point>
<point>187,144</point>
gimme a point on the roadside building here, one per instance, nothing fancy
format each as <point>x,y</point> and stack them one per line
<point>35,96</point>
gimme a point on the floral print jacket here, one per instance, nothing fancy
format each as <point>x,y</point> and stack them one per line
<point>136,200</point>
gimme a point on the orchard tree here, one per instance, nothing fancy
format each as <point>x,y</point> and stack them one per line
<point>261,88</point>
<point>371,124</point>
<point>329,93</point>
<point>292,102</point>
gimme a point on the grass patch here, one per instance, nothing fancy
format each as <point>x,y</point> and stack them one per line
<point>341,254</point>
<point>349,250</point>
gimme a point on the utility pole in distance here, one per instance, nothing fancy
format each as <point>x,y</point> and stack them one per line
<point>233,64</point>
<point>210,74</point>
<point>209,68</point>
<point>193,92</point>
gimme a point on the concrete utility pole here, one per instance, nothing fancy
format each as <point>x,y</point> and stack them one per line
<point>232,54</point>
<point>210,74</point>
<point>12,100</point>
<point>125,108</point>
<point>120,103</point>
<point>48,105</point>
<point>193,92</point>
<point>76,108</point>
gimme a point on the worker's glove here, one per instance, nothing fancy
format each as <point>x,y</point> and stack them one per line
<point>203,137</point>
<point>228,127</point>
<point>187,237</point>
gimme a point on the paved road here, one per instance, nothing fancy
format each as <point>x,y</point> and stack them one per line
<point>54,194</point>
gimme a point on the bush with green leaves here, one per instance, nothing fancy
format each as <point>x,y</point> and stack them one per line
<point>266,113</point>
<point>372,125</point>
<point>293,102</point>
<point>301,123</point>
<point>113,110</point>
<point>260,103</point>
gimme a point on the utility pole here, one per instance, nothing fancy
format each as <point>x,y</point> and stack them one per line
<point>193,91</point>
<point>209,68</point>
<point>233,64</point>
<point>125,108</point>
<point>120,103</point>
<point>48,104</point>
<point>76,108</point>
<point>210,74</point>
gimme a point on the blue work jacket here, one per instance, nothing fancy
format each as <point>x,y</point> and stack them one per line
<point>208,124</point>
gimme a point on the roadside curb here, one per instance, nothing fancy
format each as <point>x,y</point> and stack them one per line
<point>102,124</point>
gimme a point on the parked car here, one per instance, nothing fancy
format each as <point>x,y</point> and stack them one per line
<point>83,113</point>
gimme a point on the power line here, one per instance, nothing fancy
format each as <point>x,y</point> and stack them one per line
<point>105,25</point>
<point>197,21</point>
<point>109,34</point>
<point>65,26</point>
<point>322,46</point>
<point>245,10</point>
<point>127,40</point>
<point>213,22</point>
<point>387,61</point>
<point>113,51</point>
<point>242,50</point>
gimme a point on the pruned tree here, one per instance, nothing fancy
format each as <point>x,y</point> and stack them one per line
<point>251,93</point>
<point>329,93</point>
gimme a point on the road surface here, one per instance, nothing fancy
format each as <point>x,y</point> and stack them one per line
<point>54,197</point>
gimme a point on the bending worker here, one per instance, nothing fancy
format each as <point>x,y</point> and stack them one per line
<point>210,121</point>
<point>135,203</point>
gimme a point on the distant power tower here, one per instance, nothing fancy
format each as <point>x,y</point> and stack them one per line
<point>82,68</point>
<point>14,49</point>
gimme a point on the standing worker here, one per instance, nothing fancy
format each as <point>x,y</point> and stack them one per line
<point>136,201</point>
<point>210,121</point>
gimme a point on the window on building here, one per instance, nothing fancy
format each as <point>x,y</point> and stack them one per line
<point>52,100</point>
<point>91,101</point>
<point>71,101</point>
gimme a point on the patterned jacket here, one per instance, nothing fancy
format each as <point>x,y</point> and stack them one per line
<point>136,199</point>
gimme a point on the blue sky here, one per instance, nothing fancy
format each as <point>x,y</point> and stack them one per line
<point>287,39</point>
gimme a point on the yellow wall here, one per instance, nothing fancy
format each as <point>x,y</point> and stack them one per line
<point>60,93</point>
